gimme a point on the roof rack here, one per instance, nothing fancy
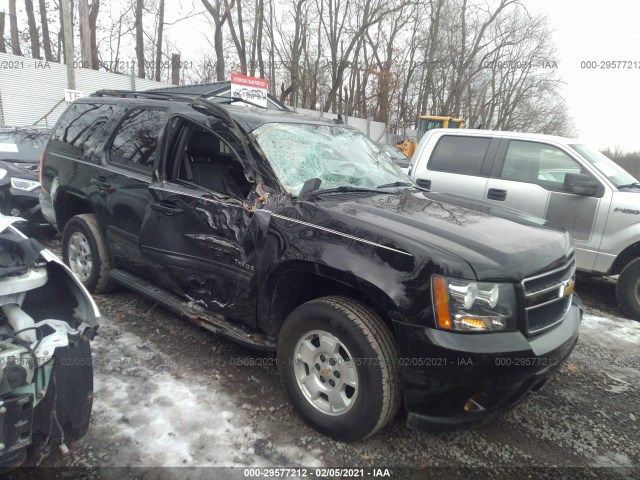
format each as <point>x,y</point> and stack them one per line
<point>181,93</point>
<point>143,94</point>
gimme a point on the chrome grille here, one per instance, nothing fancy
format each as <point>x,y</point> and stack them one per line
<point>546,301</point>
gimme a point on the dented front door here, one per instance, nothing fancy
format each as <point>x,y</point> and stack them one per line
<point>201,241</point>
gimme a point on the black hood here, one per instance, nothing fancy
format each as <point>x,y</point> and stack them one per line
<point>499,243</point>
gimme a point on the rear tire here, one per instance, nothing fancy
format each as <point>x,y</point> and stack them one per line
<point>85,252</point>
<point>338,363</point>
<point>628,289</point>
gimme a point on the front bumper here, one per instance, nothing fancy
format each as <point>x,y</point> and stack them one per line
<point>461,380</point>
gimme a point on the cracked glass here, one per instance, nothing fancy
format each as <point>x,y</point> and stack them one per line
<point>339,156</point>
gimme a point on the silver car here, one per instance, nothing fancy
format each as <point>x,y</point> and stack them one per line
<point>558,179</point>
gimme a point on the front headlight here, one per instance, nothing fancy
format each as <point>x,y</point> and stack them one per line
<point>24,184</point>
<point>468,306</point>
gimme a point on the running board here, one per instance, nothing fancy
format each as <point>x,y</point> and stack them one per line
<point>194,313</point>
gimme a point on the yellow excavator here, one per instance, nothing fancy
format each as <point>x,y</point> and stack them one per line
<point>424,124</point>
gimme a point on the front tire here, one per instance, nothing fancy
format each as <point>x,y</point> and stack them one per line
<point>628,289</point>
<point>84,251</point>
<point>338,363</point>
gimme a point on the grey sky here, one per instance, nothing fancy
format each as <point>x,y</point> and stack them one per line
<point>604,103</point>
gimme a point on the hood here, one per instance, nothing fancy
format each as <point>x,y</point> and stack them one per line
<point>499,243</point>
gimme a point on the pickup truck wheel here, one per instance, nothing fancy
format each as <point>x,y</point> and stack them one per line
<point>338,363</point>
<point>84,251</point>
<point>628,289</point>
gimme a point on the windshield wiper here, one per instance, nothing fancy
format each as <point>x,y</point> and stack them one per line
<point>403,184</point>
<point>630,185</point>
<point>345,189</point>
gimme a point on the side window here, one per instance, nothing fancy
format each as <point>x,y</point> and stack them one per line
<point>538,163</point>
<point>457,154</point>
<point>80,128</point>
<point>136,139</point>
<point>207,161</point>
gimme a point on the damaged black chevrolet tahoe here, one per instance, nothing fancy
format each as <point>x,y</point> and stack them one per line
<point>296,234</point>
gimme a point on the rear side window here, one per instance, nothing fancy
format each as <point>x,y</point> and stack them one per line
<point>457,154</point>
<point>80,128</point>
<point>136,139</point>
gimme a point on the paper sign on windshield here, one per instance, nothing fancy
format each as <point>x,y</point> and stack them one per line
<point>252,89</point>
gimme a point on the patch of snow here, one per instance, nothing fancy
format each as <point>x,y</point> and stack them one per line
<point>628,330</point>
<point>149,413</point>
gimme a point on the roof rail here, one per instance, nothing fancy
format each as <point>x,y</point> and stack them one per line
<point>143,94</point>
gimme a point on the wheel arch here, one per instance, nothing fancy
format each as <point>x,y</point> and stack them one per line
<point>69,203</point>
<point>625,257</point>
<point>297,282</point>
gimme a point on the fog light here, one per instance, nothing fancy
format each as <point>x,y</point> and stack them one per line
<point>14,212</point>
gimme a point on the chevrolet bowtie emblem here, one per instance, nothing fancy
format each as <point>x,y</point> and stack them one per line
<point>567,288</point>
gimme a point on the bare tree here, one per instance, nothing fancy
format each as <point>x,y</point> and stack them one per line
<point>139,39</point>
<point>3,47</point>
<point>343,38</point>
<point>256,40</point>
<point>159,40</point>
<point>296,50</point>
<point>219,14</point>
<point>44,26</point>
<point>13,25</point>
<point>33,29</point>
<point>61,37</point>
<point>238,38</point>
<point>386,37</point>
<point>85,33</point>
<point>93,27</point>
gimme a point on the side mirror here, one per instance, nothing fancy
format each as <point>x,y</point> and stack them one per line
<point>581,184</point>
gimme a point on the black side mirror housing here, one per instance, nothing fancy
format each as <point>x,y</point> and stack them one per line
<point>582,184</point>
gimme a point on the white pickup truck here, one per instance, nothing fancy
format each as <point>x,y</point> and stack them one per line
<point>558,179</point>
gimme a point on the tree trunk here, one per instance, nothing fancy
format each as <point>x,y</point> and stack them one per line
<point>44,25</point>
<point>85,34</point>
<point>3,47</point>
<point>175,69</point>
<point>93,20</point>
<point>272,53</point>
<point>139,39</point>
<point>295,56</point>
<point>219,17</point>
<point>33,29</point>
<point>159,40</point>
<point>259,37</point>
<point>13,25</point>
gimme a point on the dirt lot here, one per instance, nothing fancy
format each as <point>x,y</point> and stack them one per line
<point>168,393</point>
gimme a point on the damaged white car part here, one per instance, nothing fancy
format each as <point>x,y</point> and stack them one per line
<point>46,322</point>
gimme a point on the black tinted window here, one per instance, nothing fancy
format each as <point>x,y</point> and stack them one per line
<point>137,138</point>
<point>80,128</point>
<point>459,154</point>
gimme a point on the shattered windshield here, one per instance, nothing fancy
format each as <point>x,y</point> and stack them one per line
<point>339,156</point>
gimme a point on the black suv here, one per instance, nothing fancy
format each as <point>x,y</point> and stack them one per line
<point>295,233</point>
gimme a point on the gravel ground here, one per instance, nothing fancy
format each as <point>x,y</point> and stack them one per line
<point>168,393</point>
